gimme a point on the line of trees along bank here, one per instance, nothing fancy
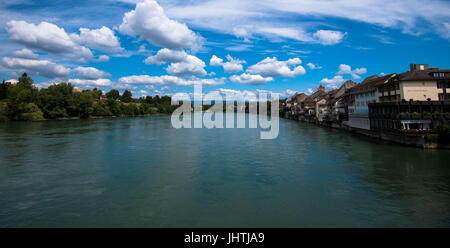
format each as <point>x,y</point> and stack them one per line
<point>25,102</point>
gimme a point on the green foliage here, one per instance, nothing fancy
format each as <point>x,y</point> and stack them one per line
<point>101,109</point>
<point>148,100</point>
<point>113,94</point>
<point>31,112</point>
<point>4,89</point>
<point>126,96</point>
<point>83,103</point>
<point>57,101</point>
<point>3,111</point>
<point>23,101</point>
<point>19,96</point>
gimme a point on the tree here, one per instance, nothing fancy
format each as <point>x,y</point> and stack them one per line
<point>148,100</point>
<point>25,81</point>
<point>156,99</point>
<point>83,103</point>
<point>126,96</point>
<point>24,101</point>
<point>19,96</point>
<point>113,94</point>
<point>4,89</point>
<point>58,101</point>
<point>31,112</point>
<point>96,93</point>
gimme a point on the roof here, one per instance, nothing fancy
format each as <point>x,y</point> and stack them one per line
<point>369,83</point>
<point>344,87</point>
<point>422,75</point>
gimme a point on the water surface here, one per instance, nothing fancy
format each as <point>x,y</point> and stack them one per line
<point>140,172</point>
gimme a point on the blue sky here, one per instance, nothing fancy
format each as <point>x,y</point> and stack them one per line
<point>165,47</point>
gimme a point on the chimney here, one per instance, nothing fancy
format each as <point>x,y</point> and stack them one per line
<point>418,67</point>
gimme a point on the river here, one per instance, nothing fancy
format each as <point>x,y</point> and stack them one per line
<point>141,172</point>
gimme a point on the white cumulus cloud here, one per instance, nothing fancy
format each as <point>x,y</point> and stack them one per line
<point>191,66</point>
<point>313,66</point>
<point>90,73</point>
<point>149,21</point>
<point>329,37</point>
<point>102,39</point>
<point>271,67</point>
<point>346,69</point>
<point>167,56</point>
<point>25,54</point>
<point>169,80</point>
<point>231,66</point>
<point>101,82</point>
<point>47,37</point>
<point>334,82</point>
<point>245,78</point>
<point>42,68</point>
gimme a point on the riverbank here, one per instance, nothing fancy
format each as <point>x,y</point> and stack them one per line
<point>397,137</point>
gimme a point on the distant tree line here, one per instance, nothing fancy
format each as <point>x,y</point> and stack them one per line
<point>23,101</point>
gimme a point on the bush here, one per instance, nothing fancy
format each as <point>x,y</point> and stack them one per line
<point>31,112</point>
<point>101,110</point>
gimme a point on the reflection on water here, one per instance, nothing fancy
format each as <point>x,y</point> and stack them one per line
<point>140,172</point>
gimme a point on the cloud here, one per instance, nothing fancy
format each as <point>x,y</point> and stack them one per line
<point>286,32</point>
<point>191,66</point>
<point>90,73</point>
<point>346,69</point>
<point>103,58</point>
<point>42,68</point>
<point>25,54</point>
<point>333,83</point>
<point>241,32</point>
<point>149,21</point>
<point>101,82</point>
<point>245,78</point>
<point>182,64</point>
<point>233,65</point>
<point>294,61</point>
<point>382,39</point>
<point>231,95</point>
<point>313,66</point>
<point>102,39</point>
<point>411,16</point>
<point>271,67</point>
<point>167,56</point>
<point>329,37</point>
<point>12,81</point>
<point>47,37</point>
<point>119,86</point>
<point>169,80</point>
<point>290,92</point>
<point>239,48</point>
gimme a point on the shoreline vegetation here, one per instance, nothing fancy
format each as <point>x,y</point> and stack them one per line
<point>23,101</point>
